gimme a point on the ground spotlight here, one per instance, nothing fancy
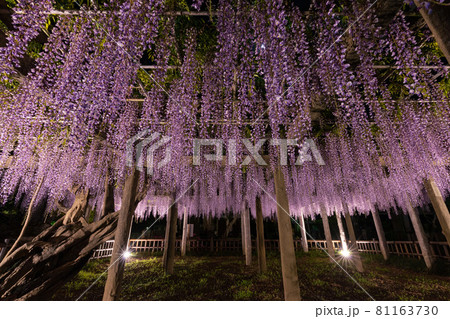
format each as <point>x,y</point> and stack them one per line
<point>345,253</point>
<point>126,254</point>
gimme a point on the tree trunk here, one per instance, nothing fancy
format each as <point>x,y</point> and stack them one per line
<point>87,212</point>
<point>230,226</point>
<point>4,250</point>
<point>304,235</point>
<point>27,220</point>
<point>78,208</point>
<point>185,232</point>
<point>421,236</point>
<point>439,207</point>
<point>117,265</point>
<point>326,228</point>
<point>170,239</point>
<point>380,232</point>
<point>353,245</point>
<point>108,199</point>
<point>260,244</point>
<point>286,240</point>
<point>247,235</point>
<point>38,268</point>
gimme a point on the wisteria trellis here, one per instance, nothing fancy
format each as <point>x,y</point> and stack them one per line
<point>70,117</point>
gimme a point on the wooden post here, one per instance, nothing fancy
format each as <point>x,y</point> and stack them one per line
<point>421,236</point>
<point>170,239</point>
<point>286,240</point>
<point>353,245</point>
<point>117,264</point>
<point>439,24</point>
<point>439,207</point>
<point>260,244</point>
<point>380,232</point>
<point>247,234</point>
<point>303,231</point>
<point>341,231</point>
<point>326,228</point>
<point>189,233</point>
<point>185,232</point>
<point>243,233</point>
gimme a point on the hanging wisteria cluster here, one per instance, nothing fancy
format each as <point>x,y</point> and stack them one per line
<point>272,72</point>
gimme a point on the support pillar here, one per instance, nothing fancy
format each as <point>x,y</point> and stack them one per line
<point>326,228</point>
<point>420,235</point>
<point>247,234</point>
<point>439,24</point>
<point>260,244</point>
<point>170,238</point>
<point>286,240</point>
<point>190,231</point>
<point>117,264</point>
<point>242,234</point>
<point>439,207</point>
<point>353,245</point>
<point>303,231</point>
<point>341,231</point>
<point>380,232</point>
<point>185,232</point>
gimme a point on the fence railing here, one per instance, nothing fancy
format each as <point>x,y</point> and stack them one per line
<point>401,248</point>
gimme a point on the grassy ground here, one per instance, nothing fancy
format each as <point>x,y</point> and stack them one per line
<point>227,278</point>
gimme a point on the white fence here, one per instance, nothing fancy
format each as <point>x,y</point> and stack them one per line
<point>401,248</point>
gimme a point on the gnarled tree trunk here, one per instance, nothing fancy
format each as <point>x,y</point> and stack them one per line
<point>108,198</point>
<point>78,207</point>
<point>27,220</point>
<point>230,225</point>
<point>35,270</point>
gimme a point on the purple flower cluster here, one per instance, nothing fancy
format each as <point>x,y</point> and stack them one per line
<point>274,73</point>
